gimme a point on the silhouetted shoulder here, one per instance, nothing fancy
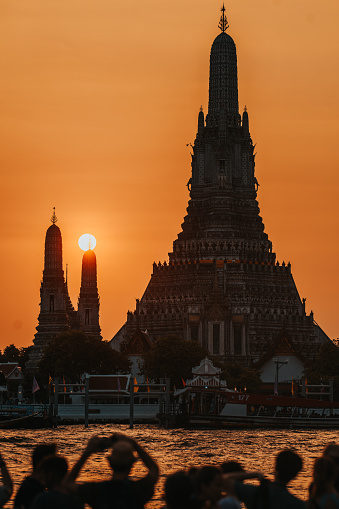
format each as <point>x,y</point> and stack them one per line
<point>28,490</point>
<point>134,493</point>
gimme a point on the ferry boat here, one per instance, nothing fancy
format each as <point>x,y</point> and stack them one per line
<point>205,400</point>
<point>206,406</point>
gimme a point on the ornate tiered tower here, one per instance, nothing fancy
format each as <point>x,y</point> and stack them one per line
<point>57,313</point>
<point>222,285</point>
<point>88,305</point>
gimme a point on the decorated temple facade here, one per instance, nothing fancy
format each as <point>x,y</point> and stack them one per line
<point>222,285</point>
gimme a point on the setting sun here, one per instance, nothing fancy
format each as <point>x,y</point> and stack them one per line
<point>87,241</point>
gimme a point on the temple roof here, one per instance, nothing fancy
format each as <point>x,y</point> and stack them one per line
<point>283,345</point>
<point>206,368</point>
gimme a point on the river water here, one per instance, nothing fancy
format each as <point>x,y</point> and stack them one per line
<point>173,449</point>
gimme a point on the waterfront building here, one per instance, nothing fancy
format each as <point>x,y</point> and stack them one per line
<point>14,377</point>
<point>222,285</point>
<point>57,313</point>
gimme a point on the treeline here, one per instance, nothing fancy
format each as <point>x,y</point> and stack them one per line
<point>71,354</point>
<point>67,357</point>
<point>13,354</point>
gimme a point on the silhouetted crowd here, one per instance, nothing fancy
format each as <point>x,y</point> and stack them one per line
<point>51,485</point>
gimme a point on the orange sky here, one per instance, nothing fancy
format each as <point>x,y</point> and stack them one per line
<point>98,102</point>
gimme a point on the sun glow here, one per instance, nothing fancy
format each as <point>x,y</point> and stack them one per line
<point>87,241</point>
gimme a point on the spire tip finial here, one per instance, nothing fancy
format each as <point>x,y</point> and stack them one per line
<point>223,23</point>
<point>54,218</point>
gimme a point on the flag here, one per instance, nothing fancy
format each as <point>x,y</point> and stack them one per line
<point>63,381</point>
<point>275,386</point>
<point>135,383</point>
<point>292,388</point>
<point>50,383</point>
<point>183,382</point>
<point>148,389</point>
<point>119,386</point>
<point>35,386</point>
<point>306,386</point>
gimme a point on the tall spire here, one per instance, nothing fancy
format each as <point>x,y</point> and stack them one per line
<point>88,303</point>
<point>223,23</point>
<point>53,251</point>
<point>223,83</point>
<point>56,310</point>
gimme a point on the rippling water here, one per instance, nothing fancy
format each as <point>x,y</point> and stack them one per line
<point>173,449</point>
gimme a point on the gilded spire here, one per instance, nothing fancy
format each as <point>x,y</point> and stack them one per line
<point>223,24</point>
<point>54,218</point>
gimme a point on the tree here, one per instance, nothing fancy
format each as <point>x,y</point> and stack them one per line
<point>172,357</point>
<point>240,377</point>
<point>73,353</point>
<point>325,367</point>
<point>24,355</point>
<point>11,354</point>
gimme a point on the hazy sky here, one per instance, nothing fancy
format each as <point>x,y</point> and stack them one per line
<point>98,100</point>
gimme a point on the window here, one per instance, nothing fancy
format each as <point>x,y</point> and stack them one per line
<point>195,332</point>
<point>86,316</point>
<point>51,303</point>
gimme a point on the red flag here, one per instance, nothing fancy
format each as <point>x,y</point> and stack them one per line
<point>183,382</point>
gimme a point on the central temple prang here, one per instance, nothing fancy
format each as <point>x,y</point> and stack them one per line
<point>222,285</point>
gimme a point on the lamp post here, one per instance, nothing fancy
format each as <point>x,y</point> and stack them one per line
<point>278,365</point>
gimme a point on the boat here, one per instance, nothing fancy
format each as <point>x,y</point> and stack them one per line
<point>219,407</point>
<point>205,400</point>
<point>104,399</point>
<point>23,416</point>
